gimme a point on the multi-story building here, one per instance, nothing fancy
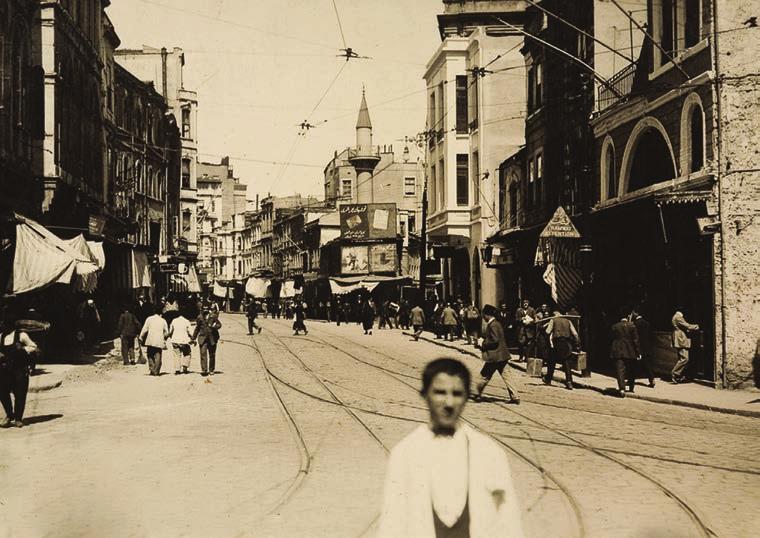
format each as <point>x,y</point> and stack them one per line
<point>220,196</point>
<point>272,209</point>
<point>476,89</point>
<point>164,68</point>
<point>677,220</point>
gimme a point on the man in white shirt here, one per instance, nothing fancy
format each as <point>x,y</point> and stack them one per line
<point>181,333</point>
<point>153,335</point>
<point>446,479</point>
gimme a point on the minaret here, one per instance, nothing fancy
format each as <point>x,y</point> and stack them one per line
<point>364,157</point>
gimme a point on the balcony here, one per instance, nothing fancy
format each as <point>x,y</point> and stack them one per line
<point>355,153</point>
<point>622,82</point>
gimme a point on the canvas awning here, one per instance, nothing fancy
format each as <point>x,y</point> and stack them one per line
<point>258,287</point>
<point>140,270</point>
<point>86,281</point>
<point>220,291</point>
<point>341,289</point>
<point>41,258</point>
<point>288,290</point>
<point>193,284</point>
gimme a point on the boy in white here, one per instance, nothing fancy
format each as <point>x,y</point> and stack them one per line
<point>181,333</point>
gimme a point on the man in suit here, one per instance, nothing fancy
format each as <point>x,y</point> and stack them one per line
<point>206,339</point>
<point>525,318</point>
<point>625,351</point>
<point>644,330</point>
<point>682,344</point>
<point>495,355</point>
<point>562,336</point>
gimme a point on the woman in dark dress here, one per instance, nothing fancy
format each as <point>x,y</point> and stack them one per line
<point>368,316</point>
<point>298,324</point>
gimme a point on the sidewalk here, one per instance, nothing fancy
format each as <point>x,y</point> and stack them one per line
<point>735,402</point>
<point>51,372</point>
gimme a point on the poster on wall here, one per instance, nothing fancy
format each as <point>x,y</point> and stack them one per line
<point>383,258</point>
<point>354,260</point>
<point>368,221</point>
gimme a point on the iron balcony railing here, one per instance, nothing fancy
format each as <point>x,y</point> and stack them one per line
<point>622,82</point>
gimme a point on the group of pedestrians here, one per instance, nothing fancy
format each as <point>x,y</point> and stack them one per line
<point>155,327</point>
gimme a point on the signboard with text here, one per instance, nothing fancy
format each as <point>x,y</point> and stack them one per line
<point>367,221</point>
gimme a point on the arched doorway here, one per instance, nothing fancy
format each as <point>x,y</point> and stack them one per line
<point>651,162</point>
<point>476,277</point>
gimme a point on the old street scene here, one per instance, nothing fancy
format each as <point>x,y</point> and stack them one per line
<point>430,268</point>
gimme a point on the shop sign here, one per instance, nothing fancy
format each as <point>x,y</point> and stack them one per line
<point>96,224</point>
<point>367,221</point>
<point>167,267</point>
<point>561,226</point>
<point>354,260</point>
<point>383,258</point>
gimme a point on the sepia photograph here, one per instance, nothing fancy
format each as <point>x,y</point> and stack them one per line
<point>379,268</point>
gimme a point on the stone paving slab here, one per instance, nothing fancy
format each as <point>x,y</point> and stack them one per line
<point>736,402</point>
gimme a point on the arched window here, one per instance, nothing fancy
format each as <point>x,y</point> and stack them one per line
<point>648,157</point>
<point>609,174</point>
<point>692,135</point>
<point>697,140</point>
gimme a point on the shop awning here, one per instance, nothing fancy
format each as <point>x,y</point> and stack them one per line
<point>193,284</point>
<point>86,281</point>
<point>258,287</point>
<point>287,290</point>
<point>140,270</point>
<point>221,291</point>
<point>344,280</point>
<point>41,258</point>
<point>341,289</point>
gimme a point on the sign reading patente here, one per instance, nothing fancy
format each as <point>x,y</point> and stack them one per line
<point>560,225</point>
<point>367,221</point>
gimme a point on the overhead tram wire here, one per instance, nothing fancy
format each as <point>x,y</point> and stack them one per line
<point>340,26</point>
<point>579,30</point>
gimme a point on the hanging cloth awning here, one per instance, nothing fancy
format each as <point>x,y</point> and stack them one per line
<point>41,258</point>
<point>288,290</point>
<point>257,287</point>
<point>341,289</point>
<point>220,291</point>
<point>140,270</point>
<point>193,283</point>
<point>88,280</point>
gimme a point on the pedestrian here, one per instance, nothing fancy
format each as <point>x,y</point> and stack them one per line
<point>625,351</point>
<point>89,322</point>
<point>181,334</point>
<point>153,335</point>
<point>561,338</point>
<point>472,323</point>
<point>446,478</point>
<point>682,344</point>
<point>368,316</point>
<point>403,314</point>
<point>417,316</point>
<point>449,320</point>
<point>207,339</point>
<point>495,355</point>
<point>438,320</point>
<point>16,349</point>
<point>252,312</point>
<point>542,335</point>
<point>265,308</point>
<point>328,311</point>
<point>299,311</point>
<point>128,328</point>
<point>644,331</point>
<point>525,317</point>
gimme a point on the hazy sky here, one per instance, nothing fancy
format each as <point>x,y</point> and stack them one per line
<point>261,66</point>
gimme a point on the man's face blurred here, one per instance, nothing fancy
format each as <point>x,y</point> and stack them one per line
<point>525,304</point>
<point>446,398</point>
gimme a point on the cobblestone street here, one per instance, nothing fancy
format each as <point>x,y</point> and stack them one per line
<point>290,439</point>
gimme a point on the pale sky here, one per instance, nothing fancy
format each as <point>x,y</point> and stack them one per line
<point>261,66</point>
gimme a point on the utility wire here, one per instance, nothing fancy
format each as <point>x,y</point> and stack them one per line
<point>581,31</point>
<point>340,26</point>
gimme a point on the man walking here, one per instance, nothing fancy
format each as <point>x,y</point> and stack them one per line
<point>644,331</point>
<point>525,317</point>
<point>181,333</point>
<point>153,336</point>
<point>624,350</point>
<point>561,336</point>
<point>16,349</point>
<point>206,338</point>
<point>495,355</point>
<point>252,312</point>
<point>445,478</point>
<point>128,328</point>
<point>682,344</point>
<point>449,320</point>
<point>417,316</point>
<point>472,323</point>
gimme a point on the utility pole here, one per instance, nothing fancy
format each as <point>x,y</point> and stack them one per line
<point>423,232</point>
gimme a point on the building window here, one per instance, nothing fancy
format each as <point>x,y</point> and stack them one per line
<point>513,204</point>
<point>441,184</point>
<point>696,124</point>
<point>539,163</point>
<point>186,222</point>
<point>535,87</point>
<point>412,221</point>
<point>677,25</point>
<point>531,195</point>
<point>463,179</point>
<point>609,173</point>
<point>461,104</point>
<point>431,120</point>
<point>186,122</point>
<point>433,190</point>
<point>474,103</point>
<point>410,186</point>
<point>185,173</point>
<point>345,188</point>
<point>475,179</point>
<point>440,126</point>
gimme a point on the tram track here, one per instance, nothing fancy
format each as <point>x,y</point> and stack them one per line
<point>703,529</point>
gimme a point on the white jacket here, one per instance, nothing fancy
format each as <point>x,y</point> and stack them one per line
<point>154,332</point>
<point>408,508</point>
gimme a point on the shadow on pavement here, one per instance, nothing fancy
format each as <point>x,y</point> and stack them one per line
<point>41,418</point>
